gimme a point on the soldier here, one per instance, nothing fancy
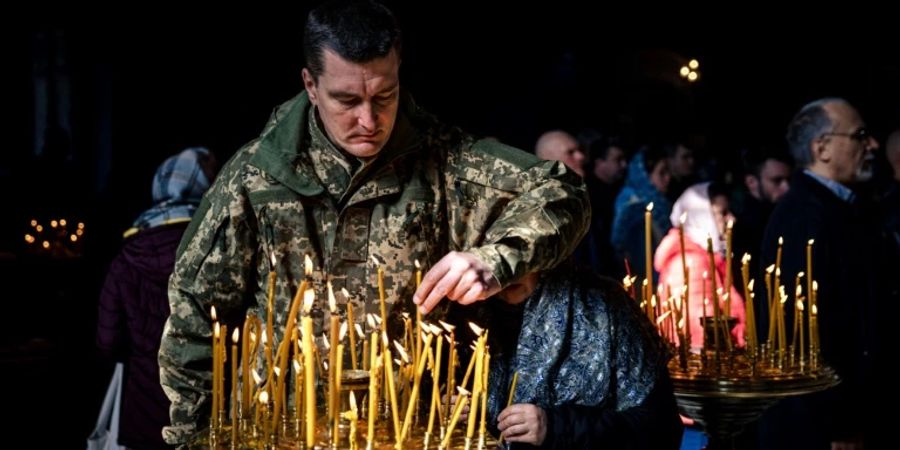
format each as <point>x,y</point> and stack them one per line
<point>349,170</point>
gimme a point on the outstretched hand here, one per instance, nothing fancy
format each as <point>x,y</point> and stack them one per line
<point>459,276</point>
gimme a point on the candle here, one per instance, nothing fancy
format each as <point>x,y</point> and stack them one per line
<point>381,301</point>
<point>414,395</point>
<point>298,395</point>
<point>451,365</point>
<point>435,378</point>
<point>264,407</point>
<point>748,295</point>
<point>484,396</point>
<point>373,391</point>
<point>270,308</point>
<point>245,366</point>
<point>309,388</point>
<point>352,416</point>
<point>214,423</point>
<point>809,272</point>
<point>477,387</point>
<point>352,322</point>
<point>234,391</point>
<point>334,328</point>
<point>391,389</point>
<point>648,242</point>
<point>418,325</point>
<point>336,401</point>
<point>728,276</point>
<point>461,403</point>
<point>770,303</point>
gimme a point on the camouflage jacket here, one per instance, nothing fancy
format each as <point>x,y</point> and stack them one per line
<point>432,189</point>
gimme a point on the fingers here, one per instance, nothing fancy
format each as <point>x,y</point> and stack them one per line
<point>458,276</point>
<point>429,281</point>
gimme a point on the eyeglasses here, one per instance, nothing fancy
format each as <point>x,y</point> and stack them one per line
<point>861,135</point>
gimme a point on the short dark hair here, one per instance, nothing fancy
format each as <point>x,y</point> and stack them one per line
<point>653,155</point>
<point>808,125</point>
<point>358,31</point>
<point>754,157</point>
<point>596,143</point>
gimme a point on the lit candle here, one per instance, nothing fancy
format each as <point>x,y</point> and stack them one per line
<point>234,391</point>
<point>309,369</point>
<point>352,416</point>
<point>418,326</point>
<point>809,272</point>
<point>245,366</point>
<point>264,407</point>
<point>770,301</point>
<point>381,301</point>
<point>334,328</point>
<point>484,396</point>
<point>270,308</point>
<point>298,396</point>
<point>217,373</point>
<point>728,276</point>
<point>477,387</point>
<point>648,242</point>
<point>451,365</point>
<point>435,377</point>
<point>391,389</point>
<point>336,401</point>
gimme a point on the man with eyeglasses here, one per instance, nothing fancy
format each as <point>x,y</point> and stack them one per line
<point>830,143</point>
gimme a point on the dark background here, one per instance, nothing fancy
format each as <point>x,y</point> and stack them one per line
<point>147,83</point>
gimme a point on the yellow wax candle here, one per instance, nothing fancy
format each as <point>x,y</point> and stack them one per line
<point>461,403</point>
<point>298,395</point>
<point>245,367</point>
<point>748,296</point>
<point>391,389</point>
<point>381,300</point>
<point>309,375</point>
<point>216,373</point>
<point>352,416</point>
<point>223,336</point>
<point>234,391</point>
<point>477,387</point>
<point>484,383</point>
<point>451,365</point>
<point>414,395</point>
<point>512,395</point>
<point>648,243</point>
<point>334,328</point>
<point>264,407</point>
<point>418,325</point>
<point>373,390</point>
<point>350,321</point>
<point>729,282</point>
<point>336,401</point>
<point>435,377</point>
<point>809,272</point>
<point>715,302</point>
<point>270,309</point>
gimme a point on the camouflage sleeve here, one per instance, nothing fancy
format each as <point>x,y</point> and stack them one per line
<point>515,212</point>
<point>214,267</point>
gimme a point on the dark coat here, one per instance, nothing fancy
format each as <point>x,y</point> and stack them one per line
<point>133,308</point>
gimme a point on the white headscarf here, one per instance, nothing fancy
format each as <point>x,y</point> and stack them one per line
<point>700,222</point>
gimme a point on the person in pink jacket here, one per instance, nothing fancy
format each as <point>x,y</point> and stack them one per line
<point>705,206</point>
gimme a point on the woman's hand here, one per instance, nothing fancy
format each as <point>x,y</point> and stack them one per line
<point>523,422</point>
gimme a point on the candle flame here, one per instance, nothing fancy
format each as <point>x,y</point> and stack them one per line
<point>359,331</point>
<point>653,300</point>
<point>62,222</point>
<point>706,301</point>
<point>405,315</point>
<point>80,226</point>
<point>745,259</point>
<point>297,366</point>
<point>681,323</point>
<point>273,260</point>
<point>401,352</point>
<point>683,218</point>
<point>277,371</point>
<point>705,275</point>
<point>447,326</point>
<point>309,297</point>
<point>216,330</point>
<point>375,260</point>
<point>799,291</point>
<point>34,222</point>
<point>384,338</point>
<point>417,264</point>
<point>264,397</point>
<point>264,338</point>
<point>783,299</point>
<point>343,332</point>
<point>307,265</point>
<point>325,365</point>
<point>235,336</point>
<point>256,378</point>
<point>815,286</point>
<point>649,206</point>
<point>800,305</point>
<point>462,391</point>
<point>325,341</point>
<point>780,241</point>
<point>800,274</point>
<point>332,302</point>
<point>814,311</point>
<point>810,242</point>
<point>212,313</point>
<point>662,317</point>
<point>345,293</point>
<point>750,284</point>
<point>778,271</point>
<point>377,319</point>
<point>770,269</point>
<point>252,337</point>
<point>730,224</point>
<point>352,402</point>
<point>370,320</point>
<point>476,329</point>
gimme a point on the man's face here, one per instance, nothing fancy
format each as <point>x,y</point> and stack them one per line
<point>772,182</point>
<point>356,102</point>
<point>612,168</point>
<point>559,146</point>
<point>682,164</point>
<point>660,176</point>
<point>848,149</point>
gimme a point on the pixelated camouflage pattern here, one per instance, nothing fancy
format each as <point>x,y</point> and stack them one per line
<point>290,192</point>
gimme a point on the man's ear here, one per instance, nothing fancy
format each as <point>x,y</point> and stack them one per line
<point>820,152</point>
<point>309,83</point>
<point>751,182</point>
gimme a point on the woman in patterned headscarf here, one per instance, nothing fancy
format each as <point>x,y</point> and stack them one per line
<point>134,302</point>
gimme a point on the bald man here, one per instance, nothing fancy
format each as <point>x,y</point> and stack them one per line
<point>557,145</point>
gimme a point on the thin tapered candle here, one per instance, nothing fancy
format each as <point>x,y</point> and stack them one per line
<point>234,390</point>
<point>352,324</point>
<point>648,242</point>
<point>729,281</point>
<point>461,401</point>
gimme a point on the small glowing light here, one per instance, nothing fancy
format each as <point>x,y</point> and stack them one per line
<point>73,238</point>
<point>694,64</point>
<point>693,76</point>
<point>684,71</point>
<point>39,228</point>
<point>33,222</point>
<point>53,223</point>
<point>79,232</point>
<point>45,244</point>
<point>62,222</point>
<point>29,238</point>
<point>80,225</point>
